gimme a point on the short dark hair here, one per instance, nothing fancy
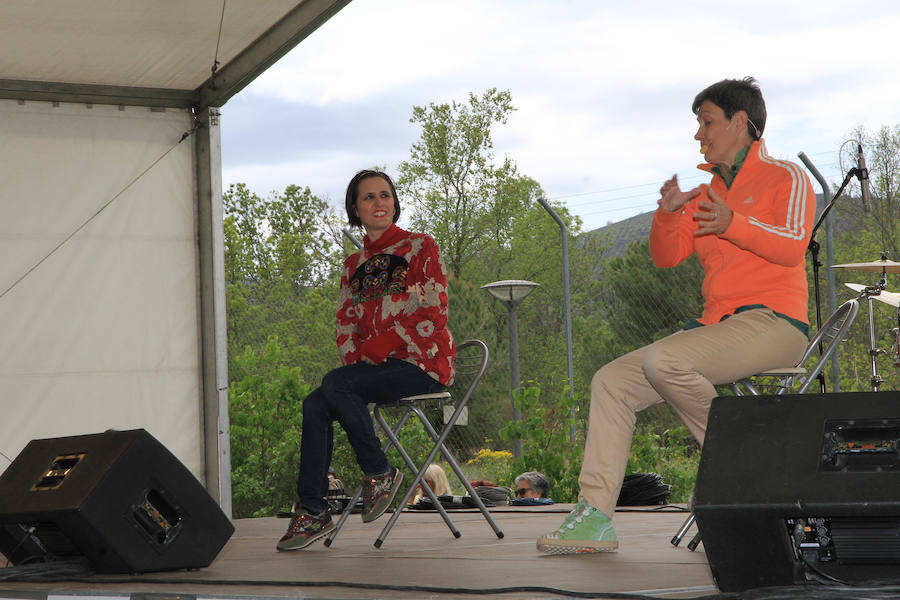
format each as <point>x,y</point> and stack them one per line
<point>732,95</point>
<point>353,191</point>
<point>538,482</point>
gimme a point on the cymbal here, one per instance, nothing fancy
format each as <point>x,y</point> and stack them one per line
<point>892,298</point>
<point>888,266</point>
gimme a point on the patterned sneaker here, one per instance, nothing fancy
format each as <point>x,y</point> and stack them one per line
<point>304,529</point>
<point>585,530</point>
<point>378,493</point>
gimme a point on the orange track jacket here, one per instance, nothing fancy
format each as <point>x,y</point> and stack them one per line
<point>759,259</point>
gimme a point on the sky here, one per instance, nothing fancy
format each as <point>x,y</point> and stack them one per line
<point>602,90</point>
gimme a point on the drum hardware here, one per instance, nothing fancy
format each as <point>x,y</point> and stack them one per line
<point>878,292</point>
<point>895,347</point>
<point>890,298</point>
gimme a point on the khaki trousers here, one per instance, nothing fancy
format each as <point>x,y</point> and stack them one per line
<point>680,369</point>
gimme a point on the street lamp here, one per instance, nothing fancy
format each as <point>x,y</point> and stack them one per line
<point>510,293</point>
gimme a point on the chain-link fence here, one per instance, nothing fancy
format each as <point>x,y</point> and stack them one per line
<point>637,304</point>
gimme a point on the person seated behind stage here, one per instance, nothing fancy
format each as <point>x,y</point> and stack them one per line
<point>750,228</point>
<point>393,339</point>
<point>435,478</point>
<point>532,488</point>
<point>333,482</point>
<point>532,484</point>
<point>336,492</point>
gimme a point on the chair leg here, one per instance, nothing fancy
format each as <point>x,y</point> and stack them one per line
<point>344,515</point>
<point>682,531</point>
<point>420,473</point>
<point>438,446</point>
<point>459,474</point>
<point>692,545</point>
<point>347,511</point>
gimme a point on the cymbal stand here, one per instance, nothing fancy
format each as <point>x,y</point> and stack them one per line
<point>869,292</point>
<point>895,345</point>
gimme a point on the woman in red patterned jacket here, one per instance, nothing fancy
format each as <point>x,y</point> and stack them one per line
<point>393,338</point>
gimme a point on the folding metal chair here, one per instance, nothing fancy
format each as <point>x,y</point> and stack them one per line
<point>823,346</point>
<point>471,362</point>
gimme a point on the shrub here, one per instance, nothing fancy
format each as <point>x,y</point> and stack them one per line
<point>544,429</point>
<point>673,454</point>
<point>489,465</point>
<point>265,406</point>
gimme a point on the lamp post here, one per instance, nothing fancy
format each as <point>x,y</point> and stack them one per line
<point>564,234</point>
<point>510,293</point>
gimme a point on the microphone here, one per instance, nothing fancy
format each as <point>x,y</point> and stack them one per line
<point>863,179</point>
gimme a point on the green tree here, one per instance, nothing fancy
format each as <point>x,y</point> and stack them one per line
<point>451,177</point>
<point>861,237</point>
<point>485,217</point>
<point>882,226</point>
<point>265,399</point>
<point>282,261</point>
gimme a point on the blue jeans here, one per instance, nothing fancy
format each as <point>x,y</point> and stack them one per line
<point>343,397</point>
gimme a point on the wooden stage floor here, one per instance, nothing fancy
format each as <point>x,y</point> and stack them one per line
<point>420,559</point>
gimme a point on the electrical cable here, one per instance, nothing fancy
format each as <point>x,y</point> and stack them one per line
<point>56,570</point>
<point>215,65</point>
<point>652,183</point>
<point>100,210</point>
<point>381,587</point>
<point>650,206</point>
<point>664,508</point>
<point>813,591</point>
<point>77,570</point>
<point>822,576</point>
<point>619,189</point>
<point>643,489</point>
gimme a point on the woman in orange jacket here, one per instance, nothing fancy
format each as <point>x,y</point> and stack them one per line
<point>750,228</point>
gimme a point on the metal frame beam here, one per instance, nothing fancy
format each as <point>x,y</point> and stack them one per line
<point>292,29</point>
<point>238,73</point>
<point>52,91</point>
<point>211,288</point>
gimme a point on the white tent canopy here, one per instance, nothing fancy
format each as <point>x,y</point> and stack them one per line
<point>112,288</point>
<point>136,52</point>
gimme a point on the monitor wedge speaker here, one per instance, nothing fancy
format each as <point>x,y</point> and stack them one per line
<point>118,498</point>
<point>802,487</point>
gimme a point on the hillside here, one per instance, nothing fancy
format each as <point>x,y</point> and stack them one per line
<point>616,237</point>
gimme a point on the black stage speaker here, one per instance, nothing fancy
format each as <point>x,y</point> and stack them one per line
<point>118,498</point>
<point>802,487</point>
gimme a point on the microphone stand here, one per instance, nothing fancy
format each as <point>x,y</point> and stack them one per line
<point>814,253</point>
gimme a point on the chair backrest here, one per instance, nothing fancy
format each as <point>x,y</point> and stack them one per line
<point>827,339</point>
<point>471,363</point>
<point>822,346</point>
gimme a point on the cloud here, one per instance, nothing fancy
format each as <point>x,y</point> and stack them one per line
<point>603,90</point>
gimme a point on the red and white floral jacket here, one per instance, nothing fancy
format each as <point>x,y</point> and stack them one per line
<point>393,303</point>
